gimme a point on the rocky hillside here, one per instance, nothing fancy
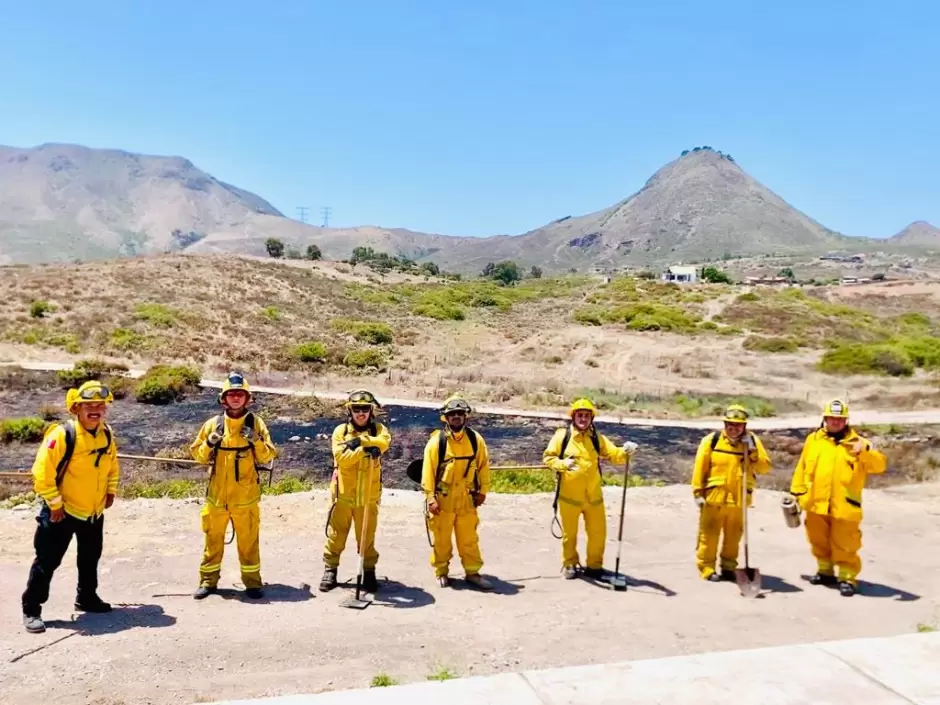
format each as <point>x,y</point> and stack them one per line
<point>64,202</point>
<point>61,202</point>
<point>920,233</point>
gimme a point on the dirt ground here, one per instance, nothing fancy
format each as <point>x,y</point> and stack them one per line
<point>159,646</point>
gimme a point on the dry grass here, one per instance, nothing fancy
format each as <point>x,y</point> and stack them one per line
<point>531,345</point>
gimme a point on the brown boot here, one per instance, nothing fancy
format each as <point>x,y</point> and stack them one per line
<point>479,582</point>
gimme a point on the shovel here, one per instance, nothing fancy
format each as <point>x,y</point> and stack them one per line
<point>356,603</point>
<point>618,582</point>
<point>748,578</point>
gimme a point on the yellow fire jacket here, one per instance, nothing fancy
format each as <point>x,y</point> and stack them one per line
<point>717,473</point>
<point>92,474</point>
<point>460,475</point>
<point>829,480</point>
<point>233,480</point>
<point>583,482</point>
<point>350,479</point>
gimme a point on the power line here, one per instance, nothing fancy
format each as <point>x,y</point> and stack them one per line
<point>326,210</point>
<point>302,212</point>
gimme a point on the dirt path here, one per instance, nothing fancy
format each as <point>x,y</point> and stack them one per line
<point>162,647</point>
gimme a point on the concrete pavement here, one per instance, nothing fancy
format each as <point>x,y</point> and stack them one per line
<point>899,670</point>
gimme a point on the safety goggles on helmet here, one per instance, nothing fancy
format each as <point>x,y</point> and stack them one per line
<point>836,408</point>
<point>236,380</point>
<point>455,406</point>
<point>99,393</point>
<point>736,414</point>
<point>362,397</point>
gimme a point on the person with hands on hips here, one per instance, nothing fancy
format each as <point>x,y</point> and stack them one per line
<point>76,474</point>
<point>575,452</point>
<point>357,443</point>
<point>235,443</point>
<point>716,488</point>
<point>455,476</point>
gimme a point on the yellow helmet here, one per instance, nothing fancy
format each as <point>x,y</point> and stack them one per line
<point>454,403</point>
<point>361,397</point>
<point>582,404</point>
<point>90,391</point>
<point>836,408</point>
<point>234,382</point>
<point>736,414</point>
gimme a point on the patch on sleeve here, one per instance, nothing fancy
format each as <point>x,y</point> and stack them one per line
<point>51,444</point>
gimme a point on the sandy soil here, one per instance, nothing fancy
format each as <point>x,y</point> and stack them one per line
<point>162,647</point>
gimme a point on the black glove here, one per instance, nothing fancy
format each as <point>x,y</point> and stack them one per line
<point>353,443</point>
<point>372,452</point>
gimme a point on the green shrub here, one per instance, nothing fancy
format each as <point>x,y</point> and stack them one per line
<point>862,359</point>
<point>38,309</point>
<point>270,313</point>
<point>164,384</point>
<point>440,311</point>
<point>749,296</point>
<point>365,331</point>
<point>924,352</point>
<point>366,358</point>
<point>155,314</point>
<point>759,343</point>
<point>88,369</point>
<point>25,430</point>
<point>126,340</point>
<point>312,351</point>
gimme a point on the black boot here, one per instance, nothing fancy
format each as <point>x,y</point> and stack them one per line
<point>34,623</point>
<point>92,604</point>
<point>846,589</point>
<point>369,581</point>
<point>728,576</point>
<point>594,573</point>
<point>328,581</point>
<point>822,579</point>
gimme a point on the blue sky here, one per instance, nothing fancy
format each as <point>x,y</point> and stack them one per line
<point>494,117</point>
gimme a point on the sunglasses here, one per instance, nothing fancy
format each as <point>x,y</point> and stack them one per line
<point>454,413</point>
<point>361,409</point>
<point>94,393</point>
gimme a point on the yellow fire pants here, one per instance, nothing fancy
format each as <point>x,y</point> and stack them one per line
<point>835,542</point>
<point>595,527</point>
<point>247,524</point>
<point>714,521</point>
<point>461,526</point>
<point>341,519</point>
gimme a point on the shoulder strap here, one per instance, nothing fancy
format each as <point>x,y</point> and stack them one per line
<point>715,437</point>
<point>472,435</point>
<point>564,441</point>
<point>69,427</point>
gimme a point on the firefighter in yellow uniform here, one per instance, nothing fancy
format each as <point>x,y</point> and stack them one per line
<point>358,445</point>
<point>716,487</point>
<point>828,482</point>
<point>235,444</point>
<point>575,453</point>
<point>75,488</point>
<point>455,477</point>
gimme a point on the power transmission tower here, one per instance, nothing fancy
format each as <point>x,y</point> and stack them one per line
<point>326,210</point>
<point>302,212</point>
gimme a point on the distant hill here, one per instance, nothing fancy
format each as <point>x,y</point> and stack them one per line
<point>61,202</point>
<point>920,233</point>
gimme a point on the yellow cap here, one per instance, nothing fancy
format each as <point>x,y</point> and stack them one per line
<point>90,391</point>
<point>736,414</point>
<point>235,382</point>
<point>581,405</point>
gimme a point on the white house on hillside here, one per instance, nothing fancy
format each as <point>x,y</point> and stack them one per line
<point>682,275</point>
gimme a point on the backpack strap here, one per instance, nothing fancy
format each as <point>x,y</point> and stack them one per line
<point>69,427</point>
<point>442,451</point>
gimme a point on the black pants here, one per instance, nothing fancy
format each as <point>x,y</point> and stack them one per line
<point>51,542</point>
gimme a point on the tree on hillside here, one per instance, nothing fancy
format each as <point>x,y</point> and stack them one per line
<point>535,272</point>
<point>313,252</point>
<point>505,272</point>
<point>715,276</point>
<point>787,274</point>
<point>431,268</point>
<point>274,247</point>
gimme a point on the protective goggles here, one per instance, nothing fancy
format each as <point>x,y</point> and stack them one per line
<point>361,398</point>
<point>94,394</point>
<point>236,381</point>
<point>736,415</point>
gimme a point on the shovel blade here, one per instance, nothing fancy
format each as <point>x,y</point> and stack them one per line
<point>748,580</point>
<point>355,604</point>
<point>617,582</point>
<point>414,469</point>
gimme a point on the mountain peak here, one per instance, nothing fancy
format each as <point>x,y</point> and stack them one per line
<point>920,232</point>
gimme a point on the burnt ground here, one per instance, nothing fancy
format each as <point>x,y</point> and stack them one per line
<point>301,427</point>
